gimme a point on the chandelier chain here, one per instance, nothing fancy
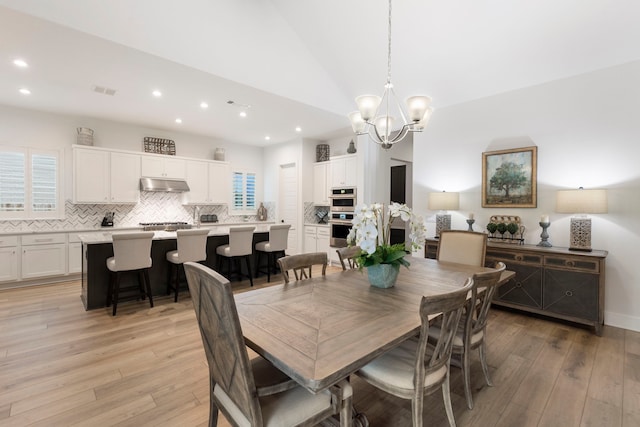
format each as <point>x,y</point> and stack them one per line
<point>389,47</point>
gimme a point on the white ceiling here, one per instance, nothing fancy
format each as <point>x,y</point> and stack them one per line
<point>297,63</point>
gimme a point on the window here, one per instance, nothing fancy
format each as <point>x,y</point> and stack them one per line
<point>30,184</point>
<point>243,191</point>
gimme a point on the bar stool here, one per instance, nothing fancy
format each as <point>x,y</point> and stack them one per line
<point>131,253</point>
<point>192,246</point>
<point>277,244</point>
<point>240,246</point>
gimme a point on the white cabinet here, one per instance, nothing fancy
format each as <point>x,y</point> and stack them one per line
<point>74,254</point>
<point>344,171</point>
<point>44,255</point>
<point>321,184</point>
<point>209,183</point>
<point>8,258</point>
<point>159,166</point>
<point>102,176</point>
<point>316,239</point>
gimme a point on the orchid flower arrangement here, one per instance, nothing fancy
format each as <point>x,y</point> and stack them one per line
<point>372,229</point>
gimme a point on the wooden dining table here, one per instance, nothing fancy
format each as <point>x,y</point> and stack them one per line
<point>323,329</point>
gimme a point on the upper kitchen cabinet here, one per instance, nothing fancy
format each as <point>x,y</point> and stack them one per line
<point>103,176</point>
<point>162,166</point>
<point>209,183</point>
<point>321,184</point>
<point>344,171</point>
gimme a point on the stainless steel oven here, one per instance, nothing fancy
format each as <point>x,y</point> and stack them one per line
<point>343,199</point>
<point>339,224</point>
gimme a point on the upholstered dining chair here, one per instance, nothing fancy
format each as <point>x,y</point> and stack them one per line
<point>251,392</point>
<point>415,369</point>
<point>471,333</point>
<point>191,246</point>
<point>301,264</point>
<point>240,247</point>
<point>347,256</point>
<point>276,245</point>
<point>462,247</point>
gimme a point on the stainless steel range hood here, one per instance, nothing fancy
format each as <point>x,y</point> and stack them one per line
<point>164,184</point>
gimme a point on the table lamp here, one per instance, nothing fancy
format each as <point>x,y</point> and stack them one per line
<point>443,202</point>
<point>581,202</point>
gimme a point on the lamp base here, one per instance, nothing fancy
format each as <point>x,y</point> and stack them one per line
<point>580,235</point>
<point>443,222</point>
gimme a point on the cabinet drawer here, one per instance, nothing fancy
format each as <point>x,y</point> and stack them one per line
<point>520,257</point>
<point>44,239</point>
<point>323,231</point>
<point>8,241</point>
<point>310,231</point>
<point>571,263</point>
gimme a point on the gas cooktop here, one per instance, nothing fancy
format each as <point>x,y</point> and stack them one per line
<point>166,226</point>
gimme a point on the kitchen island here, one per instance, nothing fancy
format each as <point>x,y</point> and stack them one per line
<point>97,247</point>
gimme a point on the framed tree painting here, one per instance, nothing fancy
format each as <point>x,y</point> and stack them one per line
<point>509,178</point>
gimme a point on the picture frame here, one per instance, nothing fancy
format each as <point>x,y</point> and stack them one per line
<point>509,178</point>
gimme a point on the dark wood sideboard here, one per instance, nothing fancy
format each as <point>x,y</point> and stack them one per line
<point>554,282</point>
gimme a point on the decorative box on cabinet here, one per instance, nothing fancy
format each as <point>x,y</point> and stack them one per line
<point>555,282</point>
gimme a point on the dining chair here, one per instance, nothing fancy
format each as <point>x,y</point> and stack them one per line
<point>415,368</point>
<point>301,264</point>
<point>131,254</point>
<point>276,245</point>
<point>462,247</point>
<point>191,246</point>
<point>471,332</point>
<point>347,256</point>
<point>240,247</point>
<point>251,392</point>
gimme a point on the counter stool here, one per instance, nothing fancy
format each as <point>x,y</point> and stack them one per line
<point>240,246</point>
<point>277,244</point>
<point>192,246</point>
<point>131,253</point>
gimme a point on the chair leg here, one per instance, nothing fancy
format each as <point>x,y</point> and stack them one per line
<point>257,272</point>
<point>176,283</point>
<point>446,395</point>
<point>483,361</point>
<point>141,285</point>
<point>148,285</point>
<point>466,376</point>
<point>269,264</point>
<point>417,405</point>
<point>116,289</point>
<point>112,279</point>
<point>248,261</point>
<point>213,409</point>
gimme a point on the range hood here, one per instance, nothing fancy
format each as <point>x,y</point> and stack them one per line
<point>164,184</point>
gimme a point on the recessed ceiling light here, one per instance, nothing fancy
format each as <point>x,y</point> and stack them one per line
<point>267,137</point>
<point>20,63</point>
<point>243,114</point>
<point>178,120</point>
<point>204,105</point>
<point>25,91</point>
<point>298,129</point>
<point>157,93</point>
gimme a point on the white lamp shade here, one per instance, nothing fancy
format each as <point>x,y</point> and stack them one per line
<point>425,119</point>
<point>368,106</point>
<point>444,201</point>
<point>357,123</point>
<point>417,107</point>
<point>581,201</point>
<point>384,125</point>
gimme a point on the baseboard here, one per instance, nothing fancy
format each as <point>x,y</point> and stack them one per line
<point>622,321</point>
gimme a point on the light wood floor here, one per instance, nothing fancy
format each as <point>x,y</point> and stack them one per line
<point>63,366</point>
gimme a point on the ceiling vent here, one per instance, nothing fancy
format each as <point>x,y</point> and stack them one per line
<point>104,90</point>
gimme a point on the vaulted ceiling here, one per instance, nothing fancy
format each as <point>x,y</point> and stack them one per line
<point>296,62</point>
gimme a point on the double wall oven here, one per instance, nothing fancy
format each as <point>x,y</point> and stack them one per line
<point>343,205</point>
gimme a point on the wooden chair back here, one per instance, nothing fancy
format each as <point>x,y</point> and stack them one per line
<point>462,247</point>
<point>229,367</point>
<point>485,286</point>
<point>302,264</point>
<point>347,256</point>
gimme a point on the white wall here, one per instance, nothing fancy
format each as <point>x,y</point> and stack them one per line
<point>587,132</point>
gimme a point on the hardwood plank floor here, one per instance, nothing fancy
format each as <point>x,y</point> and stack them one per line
<point>63,366</point>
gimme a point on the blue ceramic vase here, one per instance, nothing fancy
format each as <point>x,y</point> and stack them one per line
<point>383,275</point>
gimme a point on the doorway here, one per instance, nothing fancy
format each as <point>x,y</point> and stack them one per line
<point>400,192</point>
<point>288,203</point>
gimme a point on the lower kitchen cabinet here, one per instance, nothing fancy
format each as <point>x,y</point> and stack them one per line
<point>555,282</point>
<point>74,254</point>
<point>8,258</point>
<point>316,239</point>
<point>44,255</point>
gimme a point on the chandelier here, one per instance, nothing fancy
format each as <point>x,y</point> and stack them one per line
<point>374,116</point>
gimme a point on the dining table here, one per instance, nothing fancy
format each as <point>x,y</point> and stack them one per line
<point>323,329</point>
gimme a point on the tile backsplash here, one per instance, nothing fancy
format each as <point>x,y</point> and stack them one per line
<point>310,211</point>
<point>152,207</point>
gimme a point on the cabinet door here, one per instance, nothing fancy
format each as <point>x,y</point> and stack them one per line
<point>338,177</point>
<point>525,288</point>
<point>125,178</point>
<point>351,172</point>
<point>90,176</point>
<point>219,183</point>
<point>320,187</point>
<point>152,166</point>
<point>310,240</point>
<point>44,260</point>
<point>175,168</point>
<point>322,241</point>
<point>198,180</point>
<point>74,252</point>
<point>571,293</point>
<point>8,264</point>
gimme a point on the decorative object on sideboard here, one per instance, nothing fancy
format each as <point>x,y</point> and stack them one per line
<point>85,136</point>
<point>352,147</point>
<point>506,229</point>
<point>581,202</point>
<point>470,221</point>
<point>544,236</point>
<point>159,146</point>
<point>443,202</point>
<point>218,154</point>
<point>322,152</point>
<point>375,117</point>
<point>262,212</point>
<point>509,178</point>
